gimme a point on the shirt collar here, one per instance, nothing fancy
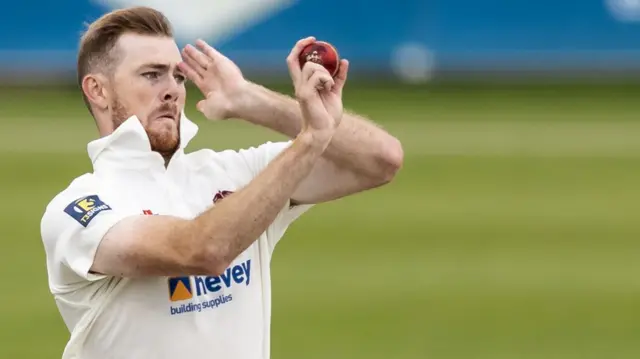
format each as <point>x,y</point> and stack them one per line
<point>131,137</point>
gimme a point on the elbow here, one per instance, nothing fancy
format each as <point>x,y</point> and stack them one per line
<point>210,263</point>
<point>209,260</point>
<point>392,160</point>
<point>196,252</point>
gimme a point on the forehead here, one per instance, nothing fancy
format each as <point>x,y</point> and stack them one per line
<point>138,50</point>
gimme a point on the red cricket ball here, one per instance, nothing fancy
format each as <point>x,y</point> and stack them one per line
<point>322,53</point>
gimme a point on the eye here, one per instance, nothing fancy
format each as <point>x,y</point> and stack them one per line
<point>180,78</point>
<point>151,75</point>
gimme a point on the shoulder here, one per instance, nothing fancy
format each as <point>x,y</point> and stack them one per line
<point>84,184</point>
<point>229,157</point>
<point>62,205</point>
<point>244,162</point>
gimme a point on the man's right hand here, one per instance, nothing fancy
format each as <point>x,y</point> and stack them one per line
<point>313,84</point>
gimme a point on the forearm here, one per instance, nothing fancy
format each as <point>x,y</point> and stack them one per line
<point>270,109</point>
<point>226,230</point>
<point>358,144</point>
<point>168,246</point>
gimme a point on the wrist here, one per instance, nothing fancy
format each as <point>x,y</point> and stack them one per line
<point>245,101</point>
<point>315,139</point>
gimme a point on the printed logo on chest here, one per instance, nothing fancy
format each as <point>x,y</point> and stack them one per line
<point>196,291</point>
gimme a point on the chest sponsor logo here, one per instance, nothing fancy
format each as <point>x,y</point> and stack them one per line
<point>199,293</point>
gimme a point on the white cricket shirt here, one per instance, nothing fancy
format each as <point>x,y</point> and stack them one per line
<point>226,317</point>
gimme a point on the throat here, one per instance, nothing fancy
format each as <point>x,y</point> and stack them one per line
<point>167,158</point>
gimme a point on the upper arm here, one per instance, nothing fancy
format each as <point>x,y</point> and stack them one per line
<point>88,239</point>
<point>144,246</point>
<point>328,181</point>
<point>72,228</point>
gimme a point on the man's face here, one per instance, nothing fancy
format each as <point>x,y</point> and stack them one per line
<point>147,83</point>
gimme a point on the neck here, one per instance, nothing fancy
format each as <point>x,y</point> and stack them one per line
<point>167,156</point>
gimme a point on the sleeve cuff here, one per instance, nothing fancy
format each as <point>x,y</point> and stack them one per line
<point>90,239</point>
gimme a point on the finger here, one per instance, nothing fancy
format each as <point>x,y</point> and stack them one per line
<point>321,81</point>
<point>328,85</point>
<point>200,59</point>
<point>193,63</point>
<point>191,73</point>
<point>341,76</point>
<point>292,60</point>
<point>322,78</point>
<point>310,68</point>
<point>208,50</point>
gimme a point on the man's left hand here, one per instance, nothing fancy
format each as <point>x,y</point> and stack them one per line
<point>332,98</point>
<point>217,77</point>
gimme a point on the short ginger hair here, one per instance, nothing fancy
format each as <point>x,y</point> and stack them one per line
<point>96,51</point>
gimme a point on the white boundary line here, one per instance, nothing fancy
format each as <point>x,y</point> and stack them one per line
<point>498,138</point>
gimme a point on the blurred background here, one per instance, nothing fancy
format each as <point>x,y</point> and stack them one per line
<point>511,233</point>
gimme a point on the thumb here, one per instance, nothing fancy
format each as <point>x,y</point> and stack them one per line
<point>211,109</point>
<point>200,106</point>
<point>341,76</point>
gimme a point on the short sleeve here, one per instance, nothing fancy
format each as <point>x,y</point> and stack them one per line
<point>72,228</point>
<point>257,158</point>
<point>250,162</point>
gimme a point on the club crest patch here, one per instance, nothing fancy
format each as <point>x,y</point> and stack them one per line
<point>85,209</point>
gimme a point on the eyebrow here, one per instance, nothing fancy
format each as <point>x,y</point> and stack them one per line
<point>159,67</point>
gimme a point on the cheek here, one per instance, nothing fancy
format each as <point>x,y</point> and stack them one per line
<point>145,95</point>
<point>183,96</point>
<point>140,98</point>
<point>132,93</point>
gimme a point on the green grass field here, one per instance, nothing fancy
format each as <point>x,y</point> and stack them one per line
<point>513,231</point>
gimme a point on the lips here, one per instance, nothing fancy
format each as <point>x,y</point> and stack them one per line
<point>166,111</point>
<point>169,115</point>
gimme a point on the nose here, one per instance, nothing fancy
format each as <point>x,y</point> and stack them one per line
<point>172,91</point>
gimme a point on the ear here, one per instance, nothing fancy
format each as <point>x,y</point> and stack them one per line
<point>94,87</point>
